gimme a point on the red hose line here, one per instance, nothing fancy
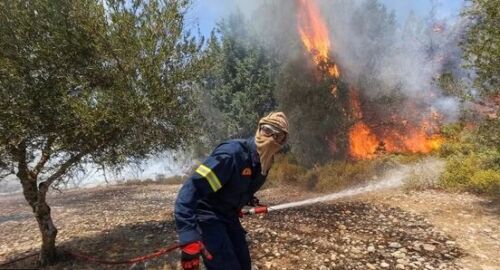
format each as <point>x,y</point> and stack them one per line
<point>88,258</point>
<point>157,253</point>
<point>19,259</point>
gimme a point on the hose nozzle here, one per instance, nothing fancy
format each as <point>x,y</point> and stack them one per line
<point>254,211</point>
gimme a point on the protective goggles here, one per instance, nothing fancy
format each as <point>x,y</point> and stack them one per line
<point>271,131</point>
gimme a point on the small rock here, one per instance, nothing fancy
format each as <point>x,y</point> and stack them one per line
<point>371,249</point>
<point>404,262</point>
<point>429,247</point>
<point>370,266</point>
<point>269,265</point>
<point>398,255</point>
<point>394,245</point>
<point>487,267</point>
<point>384,265</point>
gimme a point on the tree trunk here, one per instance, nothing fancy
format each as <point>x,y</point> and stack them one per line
<point>36,197</point>
<point>41,210</point>
<point>48,254</point>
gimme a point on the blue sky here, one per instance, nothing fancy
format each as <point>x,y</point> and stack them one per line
<point>206,13</point>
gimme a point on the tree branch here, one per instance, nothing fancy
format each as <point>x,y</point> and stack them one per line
<point>19,153</point>
<point>46,152</point>
<point>6,167</point>
<point>23,173</point>
<point>44,186</point>
<point>104,173</point>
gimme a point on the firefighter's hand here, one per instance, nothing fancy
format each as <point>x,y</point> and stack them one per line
<point>190,257</point>
<point>254,202</point>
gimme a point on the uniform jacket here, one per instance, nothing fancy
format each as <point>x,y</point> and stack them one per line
<point>219,188</point>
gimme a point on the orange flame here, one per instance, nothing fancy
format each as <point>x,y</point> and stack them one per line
<point>362,142</point>
<point>413,139</point>
<point>399,136</point>
<point>314,35</point>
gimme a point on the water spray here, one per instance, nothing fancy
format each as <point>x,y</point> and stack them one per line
<point>393,179</point>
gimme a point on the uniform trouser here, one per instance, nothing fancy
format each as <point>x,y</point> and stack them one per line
<point>227,244</point>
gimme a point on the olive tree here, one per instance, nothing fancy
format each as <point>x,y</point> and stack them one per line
<point>90,82</point>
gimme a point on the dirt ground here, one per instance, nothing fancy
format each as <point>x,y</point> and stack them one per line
<point>388,230</point>
<point>473,221</point>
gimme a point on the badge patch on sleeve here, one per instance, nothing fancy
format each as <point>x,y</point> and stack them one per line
<point>246,172</point>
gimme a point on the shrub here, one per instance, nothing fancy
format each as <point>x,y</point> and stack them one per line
<point>459,170</point>
<point>339,175</point>
<point>473,159</point>
<point>333,176</point>
<point>486,181</point>
<point>285,170</point>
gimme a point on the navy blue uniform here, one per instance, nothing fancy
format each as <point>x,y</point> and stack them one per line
<point>208,203</point>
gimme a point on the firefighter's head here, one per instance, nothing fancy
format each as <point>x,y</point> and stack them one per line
<point>271,136</point>
<point>274,125</point>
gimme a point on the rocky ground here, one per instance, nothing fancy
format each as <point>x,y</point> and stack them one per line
<point>389,230</point>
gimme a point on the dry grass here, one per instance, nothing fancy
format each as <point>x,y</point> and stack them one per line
<point>332,176</point>
<point>173,180</point>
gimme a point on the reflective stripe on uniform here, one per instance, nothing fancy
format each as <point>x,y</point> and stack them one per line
<point>212,179</point>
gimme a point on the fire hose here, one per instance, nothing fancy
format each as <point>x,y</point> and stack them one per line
<point>390,182</point>
<point>139,259</point>
<point>84,257</point>
<point>158,253</point>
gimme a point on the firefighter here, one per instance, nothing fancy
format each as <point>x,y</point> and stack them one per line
<point>208,204</point>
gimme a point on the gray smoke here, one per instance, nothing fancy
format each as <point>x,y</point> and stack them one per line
<point>405,56</point>
<point>375,49</point>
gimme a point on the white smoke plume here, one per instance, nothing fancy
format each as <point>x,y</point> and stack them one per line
<point>406,55</point>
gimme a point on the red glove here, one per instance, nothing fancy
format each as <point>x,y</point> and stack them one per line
<point>190,257</point>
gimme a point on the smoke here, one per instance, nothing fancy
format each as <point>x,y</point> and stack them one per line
<point>394,61</point>
<point>390,56</point>
<point>376,50</point>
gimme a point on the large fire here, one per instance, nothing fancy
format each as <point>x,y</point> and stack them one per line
<point>397,135</point>
<point>366,140</point>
